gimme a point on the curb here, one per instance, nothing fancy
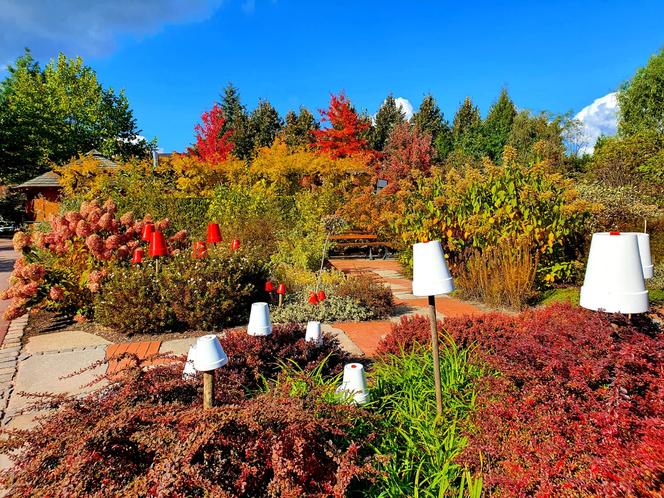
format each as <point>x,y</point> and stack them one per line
<point>9,355</point>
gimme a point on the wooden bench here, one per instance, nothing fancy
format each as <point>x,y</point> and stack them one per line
<point>362,240</point>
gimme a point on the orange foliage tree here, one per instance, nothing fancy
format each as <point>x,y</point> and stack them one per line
<point>212,144</point>
<point>343,138</point>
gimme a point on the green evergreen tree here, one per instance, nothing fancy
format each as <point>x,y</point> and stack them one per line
<point>466,129</point>
<point>265,123</point>
<point>388,116</point>
<point>237,120</point>
<point>299,127</point>
<point>53,114</point>
<point>429,119</point>
<point>497,126</point>
<point>641,100</point>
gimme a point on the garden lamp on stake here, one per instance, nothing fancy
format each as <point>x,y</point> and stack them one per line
<point>432,277</point>
<point>208,356</point>
<point>146,236</point>
<point>259,320</point>
<point>235,244</point>
<point>213,233</point>
<point>157,247</point>
<point>138,256</point>
<point>281,290</point>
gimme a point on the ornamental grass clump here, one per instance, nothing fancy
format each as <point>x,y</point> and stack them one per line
<point>573,404</point>
<point>145,433</point>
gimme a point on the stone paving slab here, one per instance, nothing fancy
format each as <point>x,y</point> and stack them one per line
<point>70,339</point>
<point>42,373</point>
<point>177,346</point>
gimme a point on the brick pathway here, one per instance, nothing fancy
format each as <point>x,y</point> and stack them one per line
<point>367,335</point>
<point>140,349</point>
<point>7,258</point>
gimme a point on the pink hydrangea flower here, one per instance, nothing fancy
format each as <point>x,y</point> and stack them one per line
<point>21,241</point>
<point>95,278</point>
<point>162,225</point>
<point>95,243</point>
<point>180,236</point>
<point>127,219</point>
<point>110,206</point>
<point>113,242</point>
<point>122,252</point>
<point>78,318</point>
<point>83,229</point>
<point>94,215</point>
<point>73,217</point>
<point>15,309</point>
<point>27,291</point>
<point>57,293</point>
<point>34,272</point>
<point>105,222</point>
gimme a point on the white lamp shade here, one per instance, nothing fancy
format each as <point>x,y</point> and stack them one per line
<point>208,354</point>
<point>614,277</point>
<point>189,371</point>
<point>259,320</point>
<point>431,276</point>
<point>354,383</point>
<point>314,333</point>
<point>643,240</point>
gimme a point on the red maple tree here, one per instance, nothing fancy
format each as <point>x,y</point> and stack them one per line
<point>212,145</point>
<point>343,137</point>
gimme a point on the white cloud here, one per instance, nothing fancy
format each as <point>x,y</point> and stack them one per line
<point>85,27</point>
<point>406,107</point>
<point>597,119</point>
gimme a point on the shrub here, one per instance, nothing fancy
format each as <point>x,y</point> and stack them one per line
<point>333,309</point>
<point>479,208</point>
<point>146,434</point>
<point>256,359</point>
<point>376,297</point>
<point>576,409</point>
<point>502,275</point>
<point>213,292</point>
<point>64,264</point>
<point>201,294</point>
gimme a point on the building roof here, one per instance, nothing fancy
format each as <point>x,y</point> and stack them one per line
<point>48,179</point>
<point>105,161</point>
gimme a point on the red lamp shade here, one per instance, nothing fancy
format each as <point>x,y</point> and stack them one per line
<point>235,245</point>
<point>321,295</point>
<point>312,298</point>
<point>281,289</point>
<point>213,233</point>
<point>199,251</point>
<point>148,230</point>
<point>158,245</point>
<point>269,286</point>
<point>138,256</point>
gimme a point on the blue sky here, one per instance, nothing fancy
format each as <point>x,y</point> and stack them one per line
<point>173,57</point>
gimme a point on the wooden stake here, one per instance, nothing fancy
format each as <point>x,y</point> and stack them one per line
<point>208,389</point>
<point>436,355</point>
<point>281,299</point>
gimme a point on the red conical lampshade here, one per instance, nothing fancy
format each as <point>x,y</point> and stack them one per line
<point>138,255</point>
<point>235,245</point>
<point>213,233</point>
<point>158,245</point>
<point>312,298</point>
<point>269,286</point>
<point>148,230</point>
<point>199,251</point>
<point>321,295</point>
<point>281,289</point>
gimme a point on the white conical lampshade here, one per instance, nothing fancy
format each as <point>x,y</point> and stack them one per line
<point>354,383</point>
<point>431,276</point>
<point>314,333</point>
<point>209,355</point>
<point>189,371</point>
<point>643,240</point>
<point>614,277</point>
<point>259,320</point>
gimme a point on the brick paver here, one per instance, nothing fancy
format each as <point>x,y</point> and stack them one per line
<point>141,350</point>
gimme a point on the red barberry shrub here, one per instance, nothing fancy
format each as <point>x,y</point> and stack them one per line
<point>145,433</point>
<point>255,358</point>
<point>573,404</point>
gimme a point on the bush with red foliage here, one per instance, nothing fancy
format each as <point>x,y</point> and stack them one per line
<point>577,405</point>
<point>145,433</point>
